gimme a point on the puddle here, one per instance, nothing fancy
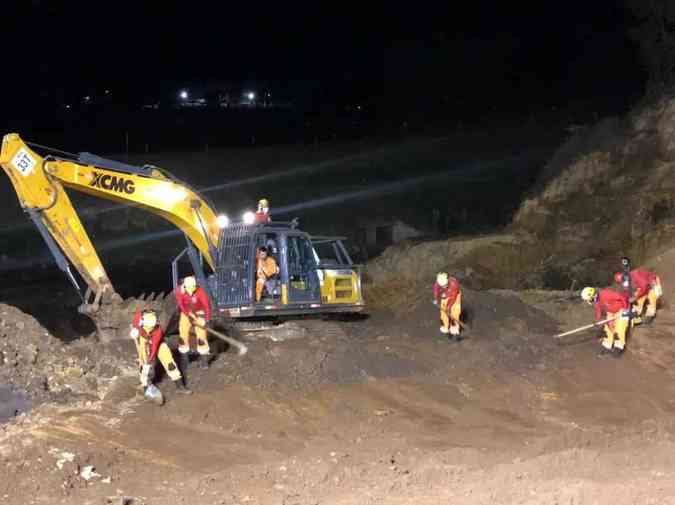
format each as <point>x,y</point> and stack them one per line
<point>12,403</point>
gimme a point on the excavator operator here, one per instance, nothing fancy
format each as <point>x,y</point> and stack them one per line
<point>195,312</point>
<point>266,270</point>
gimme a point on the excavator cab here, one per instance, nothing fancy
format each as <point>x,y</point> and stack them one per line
<point>306,283</point>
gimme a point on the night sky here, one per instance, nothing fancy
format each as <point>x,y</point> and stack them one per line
<point>479,55</point>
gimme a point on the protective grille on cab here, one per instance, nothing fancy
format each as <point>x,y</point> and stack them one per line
<point>235,266</point>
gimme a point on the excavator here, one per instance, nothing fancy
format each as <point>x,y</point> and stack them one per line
<point>221,254</point>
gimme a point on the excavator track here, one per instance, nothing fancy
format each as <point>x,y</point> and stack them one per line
<point>290,330</point>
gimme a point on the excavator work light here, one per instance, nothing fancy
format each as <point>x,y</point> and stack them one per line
<point>223,221</point>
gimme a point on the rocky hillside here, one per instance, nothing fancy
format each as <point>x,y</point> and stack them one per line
<point>608,191</point>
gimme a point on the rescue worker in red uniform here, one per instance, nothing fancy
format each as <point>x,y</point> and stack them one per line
<point>646,290</point>
<point>262,216</point>
<point>149,339</point>
<point>195,312</point>
<point>615,306</point>
<point>448,298</point>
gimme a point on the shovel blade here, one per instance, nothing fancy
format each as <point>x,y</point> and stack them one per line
<point>153,394</point>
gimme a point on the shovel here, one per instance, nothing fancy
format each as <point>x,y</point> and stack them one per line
<point>242,349</point>
<point>584,328</point>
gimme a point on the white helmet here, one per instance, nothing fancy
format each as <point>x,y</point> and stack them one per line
<point>190,284</point>
<point>588,294</point>
<point>148,320</point>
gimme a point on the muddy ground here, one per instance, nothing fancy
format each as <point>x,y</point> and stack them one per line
<point>363,411</point>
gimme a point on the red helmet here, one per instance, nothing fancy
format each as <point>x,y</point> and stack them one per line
<point>618,278</point>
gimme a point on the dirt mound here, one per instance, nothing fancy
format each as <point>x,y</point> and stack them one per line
<point>37,364</point>
<point>487,261</point>
<point>500,326</point>
<point>502,330</point>
<point>319,358</point>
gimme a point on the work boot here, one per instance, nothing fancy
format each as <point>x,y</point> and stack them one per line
<point>182,388</point>
<point>183,362</point>
<point>204,361</point>
<point>617,352</point>
<point>604,353</point>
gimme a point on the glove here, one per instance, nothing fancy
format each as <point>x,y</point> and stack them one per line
<point>134,333</point>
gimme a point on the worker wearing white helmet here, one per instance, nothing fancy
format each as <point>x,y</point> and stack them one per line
<point>149,339</point>
<point>262,216</point>
<point>195,312</point>
<point>448,298</point>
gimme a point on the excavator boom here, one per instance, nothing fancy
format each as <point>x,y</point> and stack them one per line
<point>39,183</point>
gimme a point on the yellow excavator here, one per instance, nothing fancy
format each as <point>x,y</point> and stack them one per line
<point>221,254</point>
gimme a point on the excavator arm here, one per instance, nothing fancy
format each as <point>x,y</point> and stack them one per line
<point>39,183</point>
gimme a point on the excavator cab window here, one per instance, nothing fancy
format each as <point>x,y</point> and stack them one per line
<point>269,241</point>
<point>303,281</point>
<point>331,254</point>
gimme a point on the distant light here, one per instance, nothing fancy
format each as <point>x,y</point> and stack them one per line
<point>67,106</point>
<point>183,95</point>
<point>87,98</point>
<point>222,221</point>
<point>251,95</point>
<point>249,217</point>
<point>107,91</point>
<point>358,107</point>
